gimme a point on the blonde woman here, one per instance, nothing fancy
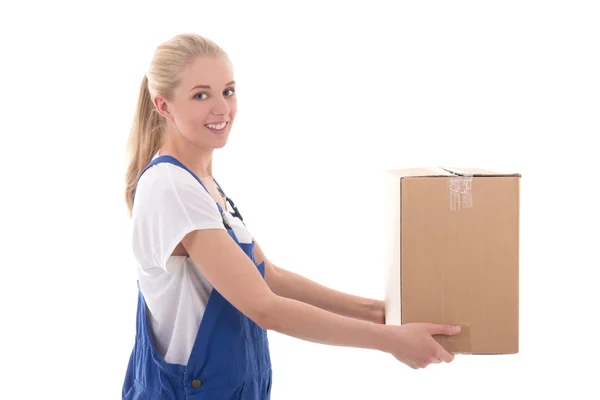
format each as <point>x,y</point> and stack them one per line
<point>207,293</point>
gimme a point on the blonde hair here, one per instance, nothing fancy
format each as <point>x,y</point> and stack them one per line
<point>148,130</point>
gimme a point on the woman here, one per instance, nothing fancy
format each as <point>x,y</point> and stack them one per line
<point>189,237</point>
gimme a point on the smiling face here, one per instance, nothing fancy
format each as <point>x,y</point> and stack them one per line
<point>203,106</point>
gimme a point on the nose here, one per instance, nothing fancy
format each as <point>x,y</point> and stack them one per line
<point>220,106</point>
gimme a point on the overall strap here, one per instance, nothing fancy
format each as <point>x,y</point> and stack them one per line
<point>236,212</point>
<point>174,161</point>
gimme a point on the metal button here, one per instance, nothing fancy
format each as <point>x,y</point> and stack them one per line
<point>196,383</point>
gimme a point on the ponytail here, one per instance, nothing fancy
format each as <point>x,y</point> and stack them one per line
<point>145,139</point>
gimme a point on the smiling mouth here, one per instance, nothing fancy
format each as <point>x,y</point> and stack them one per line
<point>217,128</point>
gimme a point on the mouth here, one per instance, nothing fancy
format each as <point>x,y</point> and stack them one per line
<point>218,127</point>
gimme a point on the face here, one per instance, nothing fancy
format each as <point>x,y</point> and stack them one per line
<point>204,103</point>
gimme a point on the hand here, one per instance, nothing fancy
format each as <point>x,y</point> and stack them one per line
<point>414,345</point>
<point>375,312</point>
<point>378,312</point>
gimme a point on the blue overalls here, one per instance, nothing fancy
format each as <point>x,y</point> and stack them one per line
<point>230,358</point>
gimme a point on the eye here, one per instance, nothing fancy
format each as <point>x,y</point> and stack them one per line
<point>200,94</point>
<point>230,90</point>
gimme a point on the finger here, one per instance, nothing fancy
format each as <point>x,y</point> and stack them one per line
<point>406,361</point>
<point>441,329</point>
<point>445,355</point>
<point>413,364</point>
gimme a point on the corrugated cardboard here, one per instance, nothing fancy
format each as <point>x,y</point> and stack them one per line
<point>454,255</point>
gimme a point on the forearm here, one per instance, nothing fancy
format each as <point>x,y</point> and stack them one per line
<point>307,322</point>
<point>293,286</point>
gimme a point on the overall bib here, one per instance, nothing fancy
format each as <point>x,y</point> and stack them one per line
<point>230,359</point>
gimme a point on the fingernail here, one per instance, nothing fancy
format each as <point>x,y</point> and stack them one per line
<point>457,329</point>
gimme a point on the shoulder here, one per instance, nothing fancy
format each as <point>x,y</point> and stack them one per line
<point>165,174</point>
<point>165,190</point>
<point>165,180</point>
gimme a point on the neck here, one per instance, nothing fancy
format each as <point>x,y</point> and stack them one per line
<point>198,160</point>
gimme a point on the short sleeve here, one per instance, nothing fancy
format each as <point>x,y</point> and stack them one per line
<point>169,203</point>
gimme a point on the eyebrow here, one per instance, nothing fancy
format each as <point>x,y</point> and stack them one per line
<point>208,87</point>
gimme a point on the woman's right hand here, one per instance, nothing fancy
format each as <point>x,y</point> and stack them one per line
<point>414,345</point>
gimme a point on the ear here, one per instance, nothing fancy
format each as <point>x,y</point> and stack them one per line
<point>162,107</point>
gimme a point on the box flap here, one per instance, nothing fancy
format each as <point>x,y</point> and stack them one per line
<point>477,172</point>
<point>448,171</point>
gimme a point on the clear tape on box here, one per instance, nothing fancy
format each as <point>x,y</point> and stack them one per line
<point>459,191</point>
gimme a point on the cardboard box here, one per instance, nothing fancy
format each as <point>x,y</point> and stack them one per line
<point>454,255</point>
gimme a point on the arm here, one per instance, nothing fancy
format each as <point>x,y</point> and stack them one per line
<point>291,285</point>
<point>234,275</point>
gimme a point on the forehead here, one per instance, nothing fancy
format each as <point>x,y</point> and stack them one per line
<point>212,71</point>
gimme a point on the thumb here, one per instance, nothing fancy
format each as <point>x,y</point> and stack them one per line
<point>445,329</point>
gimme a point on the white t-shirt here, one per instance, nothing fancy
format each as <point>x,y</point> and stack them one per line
<point>169,203</point>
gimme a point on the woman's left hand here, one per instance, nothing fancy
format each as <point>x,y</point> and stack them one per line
<point>378,312</point>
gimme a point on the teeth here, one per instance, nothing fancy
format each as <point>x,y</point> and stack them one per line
<point>220,126</point>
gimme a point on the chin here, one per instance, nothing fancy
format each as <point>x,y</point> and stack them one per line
<point>221,142</point>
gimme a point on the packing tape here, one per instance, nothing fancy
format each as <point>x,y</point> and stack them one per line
<point>459,343</point>
<point>459,191</point>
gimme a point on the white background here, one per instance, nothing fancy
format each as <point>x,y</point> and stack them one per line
<point>329,97</point>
